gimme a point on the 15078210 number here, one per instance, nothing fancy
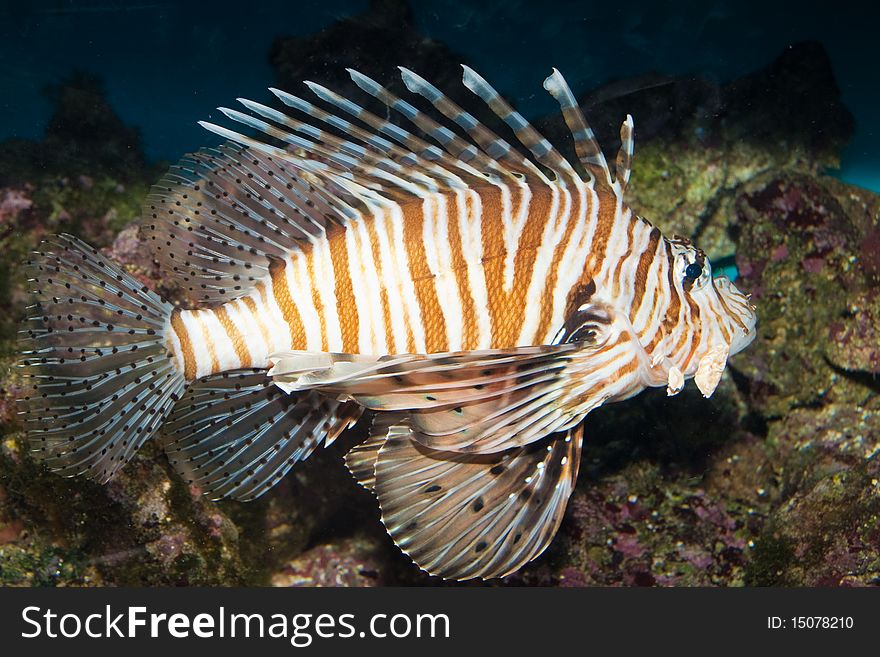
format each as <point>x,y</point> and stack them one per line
<point>822,622</point>
<point>810,623</point>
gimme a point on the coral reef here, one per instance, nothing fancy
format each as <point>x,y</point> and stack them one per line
<point>774,481</point>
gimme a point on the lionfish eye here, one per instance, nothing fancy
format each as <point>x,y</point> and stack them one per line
<point>693,271</point>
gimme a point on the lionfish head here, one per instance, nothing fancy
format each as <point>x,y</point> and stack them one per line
<point>722,319</point>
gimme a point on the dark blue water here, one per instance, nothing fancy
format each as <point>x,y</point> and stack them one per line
<point>167,64</point>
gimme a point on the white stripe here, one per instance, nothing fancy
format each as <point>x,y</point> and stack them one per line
<point>223,347</point>
<point>273,319</point>
<point>513,228</point>
<point>325,279</point>
<point>371,324</point>
<point>557,220</point>
<point>391,282</point>
<point>445,283</point>
<point>573,260</point>
<point>243,320</point>
<point>470,227</point>
<point>627,281</point>
<point>201,355</point>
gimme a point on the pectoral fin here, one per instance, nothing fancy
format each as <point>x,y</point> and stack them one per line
<point>464,516</point>
<point>475,401</point>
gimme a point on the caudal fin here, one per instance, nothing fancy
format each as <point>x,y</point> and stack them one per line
<point>99,377</point>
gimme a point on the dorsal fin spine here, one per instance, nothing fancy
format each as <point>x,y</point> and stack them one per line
<point>492,145</point>
<point>586,147</point>
<point>540,148</point>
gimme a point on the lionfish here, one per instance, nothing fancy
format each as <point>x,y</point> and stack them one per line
<point>482,297</point>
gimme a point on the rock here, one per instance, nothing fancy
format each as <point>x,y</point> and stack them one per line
<point>348,562</point>
<point>798,256</point>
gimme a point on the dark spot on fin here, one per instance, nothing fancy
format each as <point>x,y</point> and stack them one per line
<point>263,434</point>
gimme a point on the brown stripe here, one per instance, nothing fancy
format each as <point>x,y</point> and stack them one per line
<point>433,321</point>
<point>346,304</point>
<point>285,303</point>
<point>640,285</point>
<point>235,336</point>
<point>316,298</point>
<point>493,254</point>
<point>670,322</point>
<point>189,357</point>
<point>512,306</point>
<point>605,220</point>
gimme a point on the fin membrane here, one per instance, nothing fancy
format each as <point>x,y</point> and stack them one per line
<point>219,214</point>
<point>467,516</point>
<point>477,401</point>
<point>361,459</point>
<point>99,377</point>
<point>236,434</point>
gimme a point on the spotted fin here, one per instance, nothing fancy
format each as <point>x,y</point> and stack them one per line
<point>98,379</point>
<point>235,434</point>
<point>219,215</point>
<point>467,516</point>
<point>361,459</point>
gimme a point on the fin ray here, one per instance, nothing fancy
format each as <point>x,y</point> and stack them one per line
<point>236,434</point>
<point>468,516</point>
<point>99,377</point>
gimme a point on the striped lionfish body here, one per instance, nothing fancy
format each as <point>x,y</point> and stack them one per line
<point>481,300</point>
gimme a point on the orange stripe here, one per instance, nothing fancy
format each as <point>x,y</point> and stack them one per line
<point>346,304</point>
<point>286,305</point>
<point>604,225</point>
<point>316,299</point>
<point>527,251</point>
<point>493,255</point>
<point>642,269</point>
<point>235,336</point>
<point>433,321</point>
<point>189,356</point>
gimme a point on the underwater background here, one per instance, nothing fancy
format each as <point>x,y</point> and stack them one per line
<point>756,136</point>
